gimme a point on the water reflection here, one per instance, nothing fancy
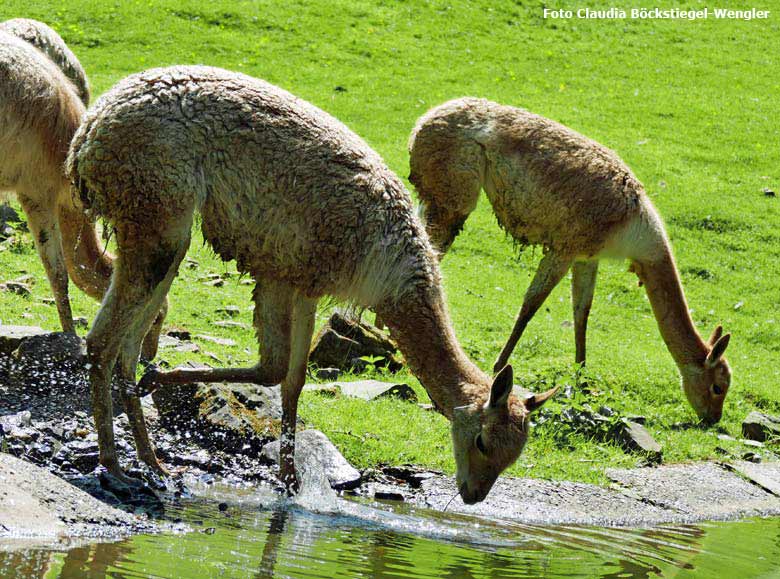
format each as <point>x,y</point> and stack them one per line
<point>284,540</point>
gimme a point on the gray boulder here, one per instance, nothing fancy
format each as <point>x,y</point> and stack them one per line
<point>312,447</point>
<point>759,426</point>
<point>342,343</point>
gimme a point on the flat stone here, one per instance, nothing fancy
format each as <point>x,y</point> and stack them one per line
<point>12,336</point>
<point>766,475</point>
<point>187,347</point>
<point>231,311</point>
<point>36,503</point>
<point>216,340</point>
<point>313,445</point>
<point>759,426</point>
<point>230,324</point>
<point>635,438</point>
<point>702,491</point>
<point>369,389</point>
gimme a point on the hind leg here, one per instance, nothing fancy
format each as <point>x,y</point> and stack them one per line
<point>583,284</point>
<point>48,241</point>
<point>273,311</point>
<point>146,264</point>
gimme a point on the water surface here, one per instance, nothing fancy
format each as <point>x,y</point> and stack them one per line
<point>322,536</point>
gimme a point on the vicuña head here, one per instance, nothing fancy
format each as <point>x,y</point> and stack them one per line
<point>706,384</point>
<point>488,436</point>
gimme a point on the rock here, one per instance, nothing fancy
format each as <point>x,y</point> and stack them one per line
<point>697,491</point>
<point>35,503</point>
<point>218,282</point>
<point>14,287</point>
<point>17,420</point>
<point>216,340</point>
<point>769,192</point>
<point>8,214</point>
<point>766,475</point>
<point>341,343</point>
<point>327,373</point>
<point>231,311</point>
<point>760,427</point>
<point>82,454</point>
<point>230,324</point>
<point>12,336</point>
<point>369,389</point>
<point>188,347</point>
<point>81,322</point>
<point>236,418</point>
<point>635,438</point>
<point>387,493</point>
<point>47,375</point>
<point>179,334</point>
<point>313,445</point>
<point>542,502</point>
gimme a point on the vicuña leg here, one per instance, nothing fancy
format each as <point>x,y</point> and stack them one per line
<point>304,311</point>
<point>146,264</point>
<point>583,284</point>
<point>551,269</point>
<point>274,302</point>
<point>48,241</point>
<point>90,265</point>
<point>131,349</point>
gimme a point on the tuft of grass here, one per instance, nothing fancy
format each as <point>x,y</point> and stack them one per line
<point>691,106</point>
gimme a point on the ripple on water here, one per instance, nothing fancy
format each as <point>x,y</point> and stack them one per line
<point>258,533</point>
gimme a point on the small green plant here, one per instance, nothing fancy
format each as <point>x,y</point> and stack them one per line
<point>371,366</point>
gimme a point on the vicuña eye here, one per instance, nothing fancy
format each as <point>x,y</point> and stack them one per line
<point>480,444</point>
<point>717,390</point>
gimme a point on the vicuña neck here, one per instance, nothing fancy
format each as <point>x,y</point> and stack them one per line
<point>421,326</point>
<point>662,282</point>
<point>89,264</point>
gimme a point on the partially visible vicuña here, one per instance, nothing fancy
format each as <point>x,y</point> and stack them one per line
<point>551,186</point>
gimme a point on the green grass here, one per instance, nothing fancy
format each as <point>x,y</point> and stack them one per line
<point>691,106</point>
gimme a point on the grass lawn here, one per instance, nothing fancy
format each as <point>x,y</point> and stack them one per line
<point>692,107</point>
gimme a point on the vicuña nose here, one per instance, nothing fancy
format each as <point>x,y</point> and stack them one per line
<point>470,496</point>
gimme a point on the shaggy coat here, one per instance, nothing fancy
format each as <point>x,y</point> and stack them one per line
<point>304,206</point>
<point>551,186</point>
<point>47,40</point>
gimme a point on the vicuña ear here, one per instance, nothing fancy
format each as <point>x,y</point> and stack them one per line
<point>502,387</point>
<point>717,351</point>
<point>716,334</point>
<point>535,401</point>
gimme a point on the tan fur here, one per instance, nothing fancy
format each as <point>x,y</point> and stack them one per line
<point>47,40</point>
<point>551,186</point>
<point>42,96</point>
<point>39,113</point>
<point>302,204</point>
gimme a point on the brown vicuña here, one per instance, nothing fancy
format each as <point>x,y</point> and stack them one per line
<point>551,186</point>
<point>305,207</point>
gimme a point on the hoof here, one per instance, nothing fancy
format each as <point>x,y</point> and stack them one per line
<point>148,383</point>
